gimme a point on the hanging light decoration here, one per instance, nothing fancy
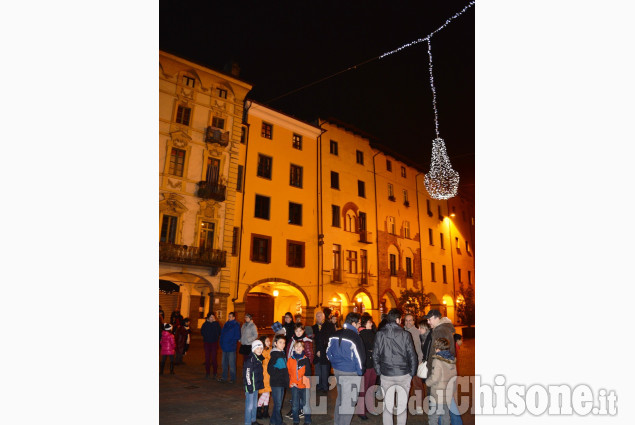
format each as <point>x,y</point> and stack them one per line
<point>441,182</point>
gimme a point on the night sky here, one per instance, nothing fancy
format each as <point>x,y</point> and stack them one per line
<point>281,46</point>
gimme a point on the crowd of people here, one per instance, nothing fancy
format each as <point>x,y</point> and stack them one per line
<point>362,356</point>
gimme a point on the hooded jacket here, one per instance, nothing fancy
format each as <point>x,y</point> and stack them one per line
<point>298,369</point>
<point>253,373</point>
<point>248,333</point>
<point>229,336</point>
<point>394,353</point>
<point>442,371</point>
<point>346,350</point>
<point>277,368</point>
<point>445,329</point>
<point>168,345</point>
<point>308,347</point>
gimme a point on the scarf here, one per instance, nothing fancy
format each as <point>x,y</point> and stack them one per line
<point>445,354</point>
<point>298,356</point>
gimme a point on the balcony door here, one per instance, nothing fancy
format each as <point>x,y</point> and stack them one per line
<point>337,263</point>
<point>206,238</point>
<point>213,171</point>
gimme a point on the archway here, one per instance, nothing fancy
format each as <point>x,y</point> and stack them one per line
<point>387,301</point>
<point>447,304</point>
<point>267,300</point>
<point>195,297</point>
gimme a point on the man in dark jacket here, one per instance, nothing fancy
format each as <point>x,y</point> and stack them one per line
<point>211,333</point>
<point>396,362</point>
<point>347,355</point>
<point>442,327</point>
<point>322,331</point>
<point>229,336</point>
<point>367,334</point>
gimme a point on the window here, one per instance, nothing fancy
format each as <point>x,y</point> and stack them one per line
<point>363,257</point>
<point>440,213</point>
<point>350,222</point>
<point>206,237</point>
<point>403,171</point>
<point>441,240</point>
<point>459,276</point>
<point>260,248</point>
<point>335,180</point>
<point>333,147</point>
<point>235,236</point>
<point>295,213</point>
<point>361,189</point>
<point>335,215</point>
<point>393,265</point>
<point>221,93</point>
<point>168,228</point>
<point>218,123</point>
<point>430,238</point>
<point>243,135</point>
<point>295,176</point>
<point>177,161</point>
<point>429,210</point>
<point>267,130</point>
<point>391,225</point>
<point>297,141</point>
<point>362,221</point>
<point>337,262</point>
<point>445,277</point>
<point>183,115</point>
<point>188,81</point>
<point>213,171</point>
<point>456,243</point>
<point>262,207</point>
<point>405,198</point>
<point>351,261</point>
<point>432,273</point>
<point>406,229</point>
<point>239,179</point>
<point>469,277</point>
<point>264,166</point>
<point>408,267</point>
<point>467,246</point>
<point>360,157</point>
<point>295,254</point>
<point>391,193</point>
<point>388,165</point>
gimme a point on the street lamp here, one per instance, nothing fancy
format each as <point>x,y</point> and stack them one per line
<point>451,254</point>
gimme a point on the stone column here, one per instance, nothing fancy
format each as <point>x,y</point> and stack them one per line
<point>308,315</point>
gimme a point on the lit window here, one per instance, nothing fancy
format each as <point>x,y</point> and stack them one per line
<point>267,130</point>
<point>206,237</point>
<point>177,161</point>
<point>168,228</point>
<point>297,141</point>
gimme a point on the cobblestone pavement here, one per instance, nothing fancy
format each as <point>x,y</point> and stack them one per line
<point>188,398</point>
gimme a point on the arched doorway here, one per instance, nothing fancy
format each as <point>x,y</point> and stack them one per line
<point>269,299</point>
<point>387,302</point>
<point>193,300</point>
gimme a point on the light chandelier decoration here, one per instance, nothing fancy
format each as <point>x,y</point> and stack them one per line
<point>441,182</point>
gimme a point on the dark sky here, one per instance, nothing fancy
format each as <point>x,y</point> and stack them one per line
<point>284,45</point>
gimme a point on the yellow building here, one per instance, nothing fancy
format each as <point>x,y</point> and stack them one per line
<point>277,216</point>
<point>200,117</point>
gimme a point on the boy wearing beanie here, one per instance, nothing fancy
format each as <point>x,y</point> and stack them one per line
<point>254,381</point>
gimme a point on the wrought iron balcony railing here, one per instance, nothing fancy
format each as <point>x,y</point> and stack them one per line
<point>191,255</point>
<point>213,191</point>
<point>216,135</point>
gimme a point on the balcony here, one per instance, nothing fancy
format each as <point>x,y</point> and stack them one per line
<point>191,255</point>
<point>213,191</point>
<point>365,236</point>
<point>216,135</point>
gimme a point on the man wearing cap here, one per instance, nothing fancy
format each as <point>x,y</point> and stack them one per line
<point>248,334</point>
<point>322,331</point>
<point>442,327</point>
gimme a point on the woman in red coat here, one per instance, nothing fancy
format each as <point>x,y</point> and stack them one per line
<point>168,347</point>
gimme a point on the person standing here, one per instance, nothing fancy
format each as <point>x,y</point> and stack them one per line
<point>289,328</point>
<point>396,362</point>
<point>367,334</point>
<point>263,400</point>
<point>442,327</point>
<point>182,341</point>
<point>299,365</point>
<point>167,348</point>
<point>417,383</point>
<point>278,378</point>
<point>211,334</point>
<point>248,334</point>
<point>443,368</point>
<point>347,355</point>
<point>322,331</point>
<point>254,380</point>
<point>229,336</point>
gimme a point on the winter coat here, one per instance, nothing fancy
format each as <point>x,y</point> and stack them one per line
<point>443,369</point>
<point>426,344</point>
<point>253,377</point>
<point>368,338</point>
<point>299,371</point>
<point>394,353</point>
<point>321,335</point>
<point>415,342</point>
<point>248,333</point>
<point>289,329</point>
<point>229,336</point>
<point>267,355</point>
<point>308,347</point>
<point>445,329</point>
<point>210,331</point>
<point>277,368</point>
<point>168,345</point>
<point>346,350</point>
<point>181,338</point>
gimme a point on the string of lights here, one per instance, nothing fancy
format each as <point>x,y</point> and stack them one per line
<point>350,68</point>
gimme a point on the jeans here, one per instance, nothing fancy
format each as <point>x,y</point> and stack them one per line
<point>251,407</point>
<point>399,387</point>
<point>455,417</point>
<point>322,371</point>
<point>348,384</point>
<point>277,393</point>
<point>435,417</point>
<point>229,363</point>
<point>211,353</point>
<point>163,359</point>
<point>300,400</point>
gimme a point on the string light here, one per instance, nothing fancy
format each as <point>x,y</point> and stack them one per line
<point>442,182</point>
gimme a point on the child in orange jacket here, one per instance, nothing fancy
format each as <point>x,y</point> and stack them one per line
<point>298,365</point>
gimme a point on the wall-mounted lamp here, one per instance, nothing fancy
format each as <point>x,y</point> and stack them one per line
<point>275,293</point>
